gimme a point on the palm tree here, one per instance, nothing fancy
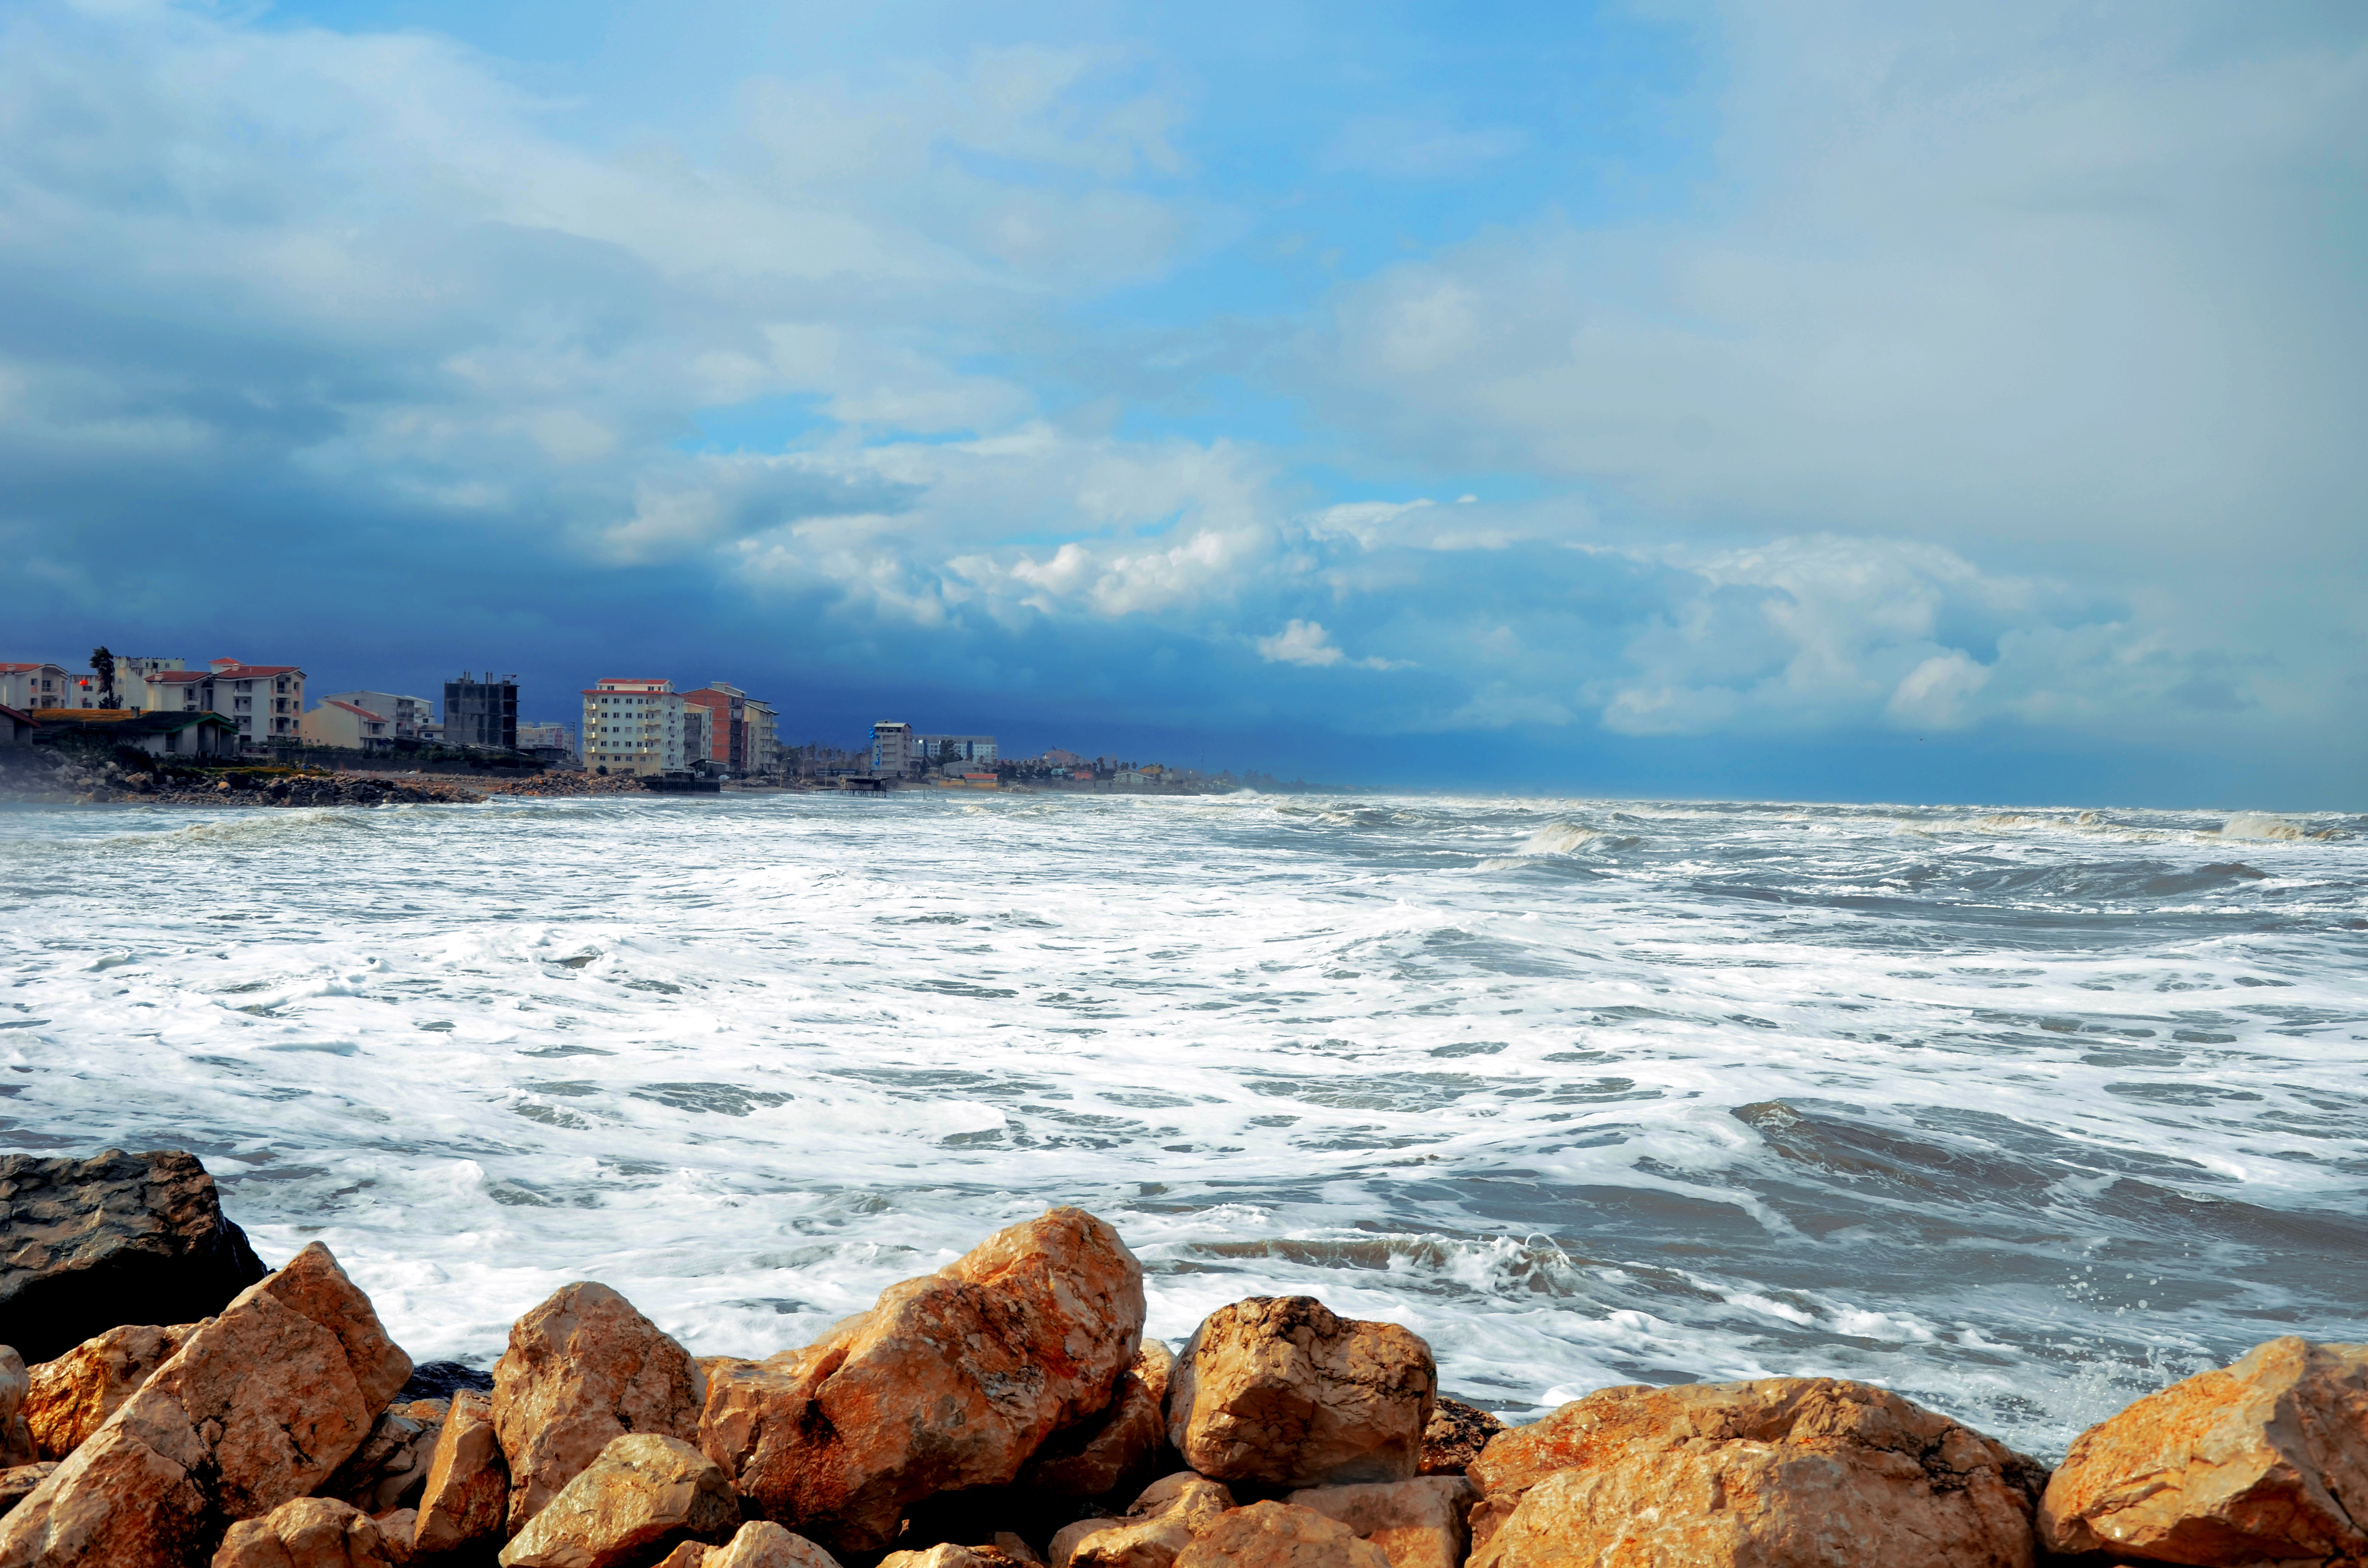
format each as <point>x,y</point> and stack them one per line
<point>102,665</point>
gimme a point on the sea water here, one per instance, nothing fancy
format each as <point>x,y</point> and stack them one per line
<point>2023,1114</point>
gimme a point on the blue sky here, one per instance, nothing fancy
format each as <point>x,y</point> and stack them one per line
<point>1850,401</point>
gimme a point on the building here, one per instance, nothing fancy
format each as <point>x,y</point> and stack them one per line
<point>554,736</point>
<point>1056,757</point>
<point>481,713</point>
<point>27,687</point>
<point>892,752</point>
<point>15,729</point>
<point>764,737</point>
<point>265,701</point>
<point>336,722</point>
<point>412,717</point>
<point>727,726</point>
<point>635,725</point>
<point>971,751</point>
<point>159,734</point>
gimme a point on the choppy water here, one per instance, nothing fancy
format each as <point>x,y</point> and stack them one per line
<point>2023,1114</point>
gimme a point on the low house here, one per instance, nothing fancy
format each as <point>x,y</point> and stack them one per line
<point>347,725</point>
<point>15,729</point>
<point>159,734</point>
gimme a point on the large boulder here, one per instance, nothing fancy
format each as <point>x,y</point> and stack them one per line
<point>311,1532</point>
<point>86,1245</point>
<point>465,1500</point>
<point>1278,1391</point>
<point>1278,1535</point>
<point>1160,1523</point>
<point>2264,1460</point>
<point>1735,1475</point>
<point>760,1544</point>
<point>582,1369</point>
<point>260,1406</point>
<point>73,1395</point>
<point>642,1494</point>
<point>953,1379</point>
<point>1418,1524</point>
<point>15,1439</point>
<point>19,1481</point>
<point>1092,1458</point>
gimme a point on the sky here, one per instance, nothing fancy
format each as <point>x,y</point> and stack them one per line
<point>1832,401</point>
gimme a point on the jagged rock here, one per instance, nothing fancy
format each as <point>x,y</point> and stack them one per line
<point>1417,1523</point>
<point>86,1245</point>
<point>952,1380</point>
<point>442,1379</point>
<point>949,1555</point>
<point>1162,1522</point>
<point>760,1544</point>
<point>1279,1391</point>
<point>73,1396</point>
<point>15,1437</point>
<point>465,1499</point>
<point>2265,1460</point>
<point>1454,1435</point>
<point>1277,1535</point>
<point>642,1494</point>
<point>1017,1549</point>
<point>311,1532</point>
<point>1092,1458</point>
<point>260,1406</point>
<point>388,1470</point>
<point>1736,1475</point>
<point>17,1483</point>
<point>582,1368</point>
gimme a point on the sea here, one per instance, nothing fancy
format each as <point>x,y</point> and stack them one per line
<point>2022,1113</point>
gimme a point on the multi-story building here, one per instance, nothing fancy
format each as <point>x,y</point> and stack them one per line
<point>266,701</point>
<point>547,737</point>
<point>892,752</point>
<point>481,713</point>
<point>410,716</point>
<point>27,687</point>
<point>336,722</point>
<point>634,724</point>
<point>976,751</point>
<point>727,726</point>
<point>764,747</point>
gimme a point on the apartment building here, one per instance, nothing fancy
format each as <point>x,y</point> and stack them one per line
<point>634,724</point>
<point>266,701</point>
<point>892,752</point>
<point>481,713</point>
<point>546,737</point>
<point>336,722</point>
<point>728,728</point>
<point>411,717</point>
<point>764,747</point>
<point>27,686</point>
<point>975,751</point>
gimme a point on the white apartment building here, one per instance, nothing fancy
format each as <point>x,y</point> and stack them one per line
<point>266,701</point>
<point>552,737</point>
<point>892,752</point>
<point>408,717</point>
<point>764,749</point>
<point>27,687</point>
<point>634,725</point>
<point>976,751</point>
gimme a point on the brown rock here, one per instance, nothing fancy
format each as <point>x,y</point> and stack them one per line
<point>1278,1391</point>
<point>466,1498</point>
<point>311,1532</point>
<point>582,1368</point>
<point>1454,1435</point>
<point>764,1544</point>
<point>949,1555</point>
<point>689,1554</point>
<point>1095,1456</point>
<point>642,1494</point>
<point>1777,1471</point>
<point>1277,1535</point>
<point>1159,1523</point>
<point>1017,1549</point>
<point>952,1380</point>
<point>17,1483</point>
<point>258,1407</point>
<point>15,1437</point>
<point>1418,1524</point>
<point>2264,1459</point>
<point>387,1471</point>
<point>73,1395</point>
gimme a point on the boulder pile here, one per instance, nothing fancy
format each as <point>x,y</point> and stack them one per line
<point>1006,1412</point>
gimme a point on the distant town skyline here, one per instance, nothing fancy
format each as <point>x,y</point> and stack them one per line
<point>1869,402</point>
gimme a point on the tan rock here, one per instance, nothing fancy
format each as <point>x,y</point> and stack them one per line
<point>2264,1459</point>
<point>1277,1535</point>
<point>1017,1549</point>
<point>74,1394</point>
<point>952,1380</point>
<point>388,1469</point>
<point>764,1544</point>
<point>583,1369</point>
<point>260,1406</point>
<point>642,1494</point>
<point>1454,1435</point>
<point>689,1554</point>
<point>1737,1475</point>
<point>17,1483</point>
<point>1093,1457</point>
<point>1276,1390</point>
<point>398,1527</point>
<point>1162,1521</point>
<point>15,1437</point>
<point>948,1555</point>
<point>311,1532</point>
<point>1417,1523</point>
<point>465,1499</point>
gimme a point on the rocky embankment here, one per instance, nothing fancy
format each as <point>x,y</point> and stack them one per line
<point>45,775</point>
<point>1006,1412</point>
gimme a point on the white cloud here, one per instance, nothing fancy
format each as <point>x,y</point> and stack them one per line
<point>1300,642</point>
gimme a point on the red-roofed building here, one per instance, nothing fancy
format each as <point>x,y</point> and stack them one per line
<point>27,687</point>
<point>15,729</point>
<point>337,723</point>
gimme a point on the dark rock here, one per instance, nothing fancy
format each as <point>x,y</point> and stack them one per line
<point>1454,1437</point>
<point>86,1245</point>
<point>441,1380</point>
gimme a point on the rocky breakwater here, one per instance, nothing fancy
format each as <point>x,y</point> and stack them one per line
<point>54,776</point>
<point>1006,1413</point>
